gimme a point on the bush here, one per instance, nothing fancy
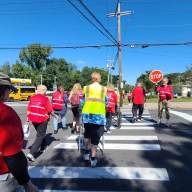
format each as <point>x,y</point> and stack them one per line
<point>151,96</point>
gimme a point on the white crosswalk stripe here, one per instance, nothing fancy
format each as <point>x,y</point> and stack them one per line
<point>139,173</point>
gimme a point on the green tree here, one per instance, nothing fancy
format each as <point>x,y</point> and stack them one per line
<point>147,84</point>
<point>86,72</point>
<point>35,56</point>
<point>64,73</point>
<point>21,71</point>
<point>6,68</point>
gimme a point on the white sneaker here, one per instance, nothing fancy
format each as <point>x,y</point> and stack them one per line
<point>86,157</point>
<point>93,163</point>
<point>109,131</point>
<point>167,123</point>
<point>139,119</point>
<point>30,157</point>
<point>159,122</point>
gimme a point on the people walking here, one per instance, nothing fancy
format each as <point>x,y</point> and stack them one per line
<point>93,106</point>
<point>138,97</point>
<point>14,175</point>
<point>59,104</point>
<point>165,96</point>
<point>112,101</point>
<point>38,112</point>
<point>74,98</point>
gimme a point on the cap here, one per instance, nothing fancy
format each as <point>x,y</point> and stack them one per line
<point>5,80</point>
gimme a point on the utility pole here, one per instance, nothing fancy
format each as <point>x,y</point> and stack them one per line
<point>109,67</point>
<point>118,13</point>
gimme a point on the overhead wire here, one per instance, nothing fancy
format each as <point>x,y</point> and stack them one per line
<point>97,21</point>
<point>89,20</point>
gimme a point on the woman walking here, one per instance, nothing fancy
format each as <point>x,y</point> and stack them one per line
<point>59,104</point>
<point>14,175</point>
<point>74,98</point>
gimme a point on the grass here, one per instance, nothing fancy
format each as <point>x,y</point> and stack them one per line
<point>155,100</point>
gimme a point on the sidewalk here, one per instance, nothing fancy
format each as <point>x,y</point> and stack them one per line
<point>176,105</point>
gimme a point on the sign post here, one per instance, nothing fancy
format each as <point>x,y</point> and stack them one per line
<point>155,76</point>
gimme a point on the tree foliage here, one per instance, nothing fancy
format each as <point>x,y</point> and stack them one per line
<point>6,68</point>
<point>35,56</point>
<point>21,71</point>
<point>146,83</point>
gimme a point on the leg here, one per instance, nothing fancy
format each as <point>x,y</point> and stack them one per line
<point>55,124</point>
<point>40,136</point>
<point>134,110</point>
<point>109,121</point>
<point>160,109</point>
<point>107,118</point>
<point>87,141</point>
<point>167,114</point>
<point>96,133</point>
<point>63,120</point>
<point>140,110</point>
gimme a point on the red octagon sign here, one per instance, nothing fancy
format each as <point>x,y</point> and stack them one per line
<point>155,76</point>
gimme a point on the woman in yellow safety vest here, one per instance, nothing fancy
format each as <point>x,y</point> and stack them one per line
<point>93,104</point>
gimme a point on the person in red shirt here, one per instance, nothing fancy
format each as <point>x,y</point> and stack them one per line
<point>129,97</point>
<point>112,100</point>
<point>38,111</point>
<point>138,97</point>
<point>13,163</point>
<point>165,96</point>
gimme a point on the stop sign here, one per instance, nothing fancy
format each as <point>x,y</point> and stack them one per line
<point>156,76</point>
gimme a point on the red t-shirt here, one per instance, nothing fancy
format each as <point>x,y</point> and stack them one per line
<point>138,95</point>
<point>112,100</point>
<point>11,134</point>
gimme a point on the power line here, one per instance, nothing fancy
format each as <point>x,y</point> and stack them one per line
<point>106,45</point>
<point>89,20</point>
<point>97,20</point>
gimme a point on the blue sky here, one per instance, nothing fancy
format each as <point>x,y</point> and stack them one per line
<point>57,23</point>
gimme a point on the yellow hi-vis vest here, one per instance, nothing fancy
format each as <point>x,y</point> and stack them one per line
<point>94,96</point>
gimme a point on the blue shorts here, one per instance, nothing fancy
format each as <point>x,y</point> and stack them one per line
<point>93,132</point>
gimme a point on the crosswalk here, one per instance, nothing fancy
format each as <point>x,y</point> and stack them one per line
<point>121,163</point>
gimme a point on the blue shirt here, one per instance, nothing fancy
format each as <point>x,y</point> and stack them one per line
<point>93,118</point>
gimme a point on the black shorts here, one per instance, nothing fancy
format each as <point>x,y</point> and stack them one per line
<point>93,132</point>
<point>75,111</point>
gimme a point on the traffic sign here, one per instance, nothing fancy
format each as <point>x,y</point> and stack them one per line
<point>155,76</point>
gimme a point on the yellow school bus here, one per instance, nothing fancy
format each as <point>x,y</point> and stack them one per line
<point>24,93</point>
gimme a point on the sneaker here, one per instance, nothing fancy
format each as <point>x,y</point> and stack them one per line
<point>86,157</point>
<point>43,150</point>
<point>108,131</point>
<point>167,123</point>
<point>133,120</point>
<point>30,157</point>
<point>139,119</point>
<point>159,122</point>
<point>64,128</point>
<point>93,163</point>
<point>55,131</point>
<point>72,130</point>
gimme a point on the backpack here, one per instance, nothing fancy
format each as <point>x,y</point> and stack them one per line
<point>75,100</point>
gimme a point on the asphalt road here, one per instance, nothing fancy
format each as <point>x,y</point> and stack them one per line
<point>140,157</point>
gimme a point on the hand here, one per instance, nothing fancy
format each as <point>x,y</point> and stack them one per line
<point>57,117</point>
<point>30,187</point>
